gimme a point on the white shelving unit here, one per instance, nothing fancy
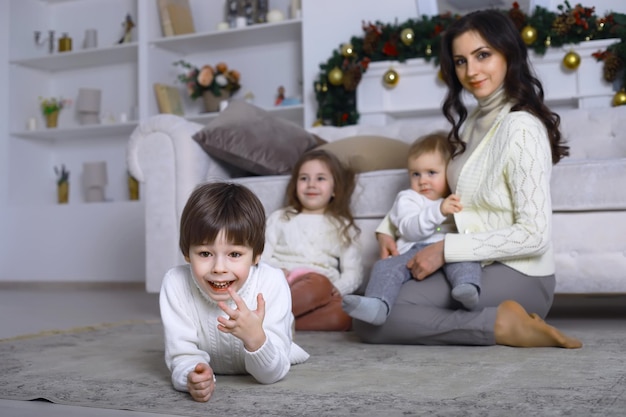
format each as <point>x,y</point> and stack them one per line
<point>267,56</point>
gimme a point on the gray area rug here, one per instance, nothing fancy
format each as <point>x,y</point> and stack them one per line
<point>121,367</point>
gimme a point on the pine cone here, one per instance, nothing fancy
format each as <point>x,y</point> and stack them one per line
<point>612,66</point>
<point>351,78</point>
<point>560,25</point>
<point>518,18</point>
<point>369,42</point>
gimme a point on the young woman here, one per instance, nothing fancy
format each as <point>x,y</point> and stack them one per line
<point>501,167</point>
<point>313,240</point>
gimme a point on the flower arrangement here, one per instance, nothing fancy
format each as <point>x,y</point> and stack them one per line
<point>208,78</point>
<point>51,105</point>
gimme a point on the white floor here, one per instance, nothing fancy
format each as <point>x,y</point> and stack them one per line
<point>27,309</point>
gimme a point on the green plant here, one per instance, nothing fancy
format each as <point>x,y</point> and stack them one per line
<point>63,175</point>
<point>208,78</point>
<point>50,105</point>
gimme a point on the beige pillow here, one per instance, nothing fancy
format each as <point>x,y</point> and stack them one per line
<point>255,141</point>
<point>369,153</point>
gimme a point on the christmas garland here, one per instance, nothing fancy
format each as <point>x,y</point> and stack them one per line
<point>335,87</point>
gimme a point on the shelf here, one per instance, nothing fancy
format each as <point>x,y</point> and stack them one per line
<point>79,132</point>
<point>294,112</point>
<point>96,57</point>
<point>255,35</point>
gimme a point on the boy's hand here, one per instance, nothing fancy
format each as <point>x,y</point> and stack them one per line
<point>242,323</point>
<point>201,382</point>
<point>451,204</point>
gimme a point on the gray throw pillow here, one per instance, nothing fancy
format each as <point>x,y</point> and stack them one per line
<point>254,140</point>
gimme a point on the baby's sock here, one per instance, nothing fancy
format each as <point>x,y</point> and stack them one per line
<point>368,309</point>
<point>466,294</point>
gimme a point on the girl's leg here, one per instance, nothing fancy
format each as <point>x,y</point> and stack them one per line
<point>426,314</point>
<point>309,292</point>
<point>329,317</point>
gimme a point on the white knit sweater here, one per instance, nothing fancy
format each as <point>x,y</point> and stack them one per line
<point>504,187</point>
<point>313,241</point>
<point>418,220</point>
<point>191,336</point>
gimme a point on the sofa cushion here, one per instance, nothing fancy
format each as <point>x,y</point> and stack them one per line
<point>589,185</point>
<point>252,139</point>
<point>365,153</point>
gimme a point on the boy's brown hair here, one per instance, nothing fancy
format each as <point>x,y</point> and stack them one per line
<point>431,143</point>
<point>218,206</point>
<point>344,180</point>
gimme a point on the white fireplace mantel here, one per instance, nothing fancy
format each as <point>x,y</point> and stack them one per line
<point>420,93</point>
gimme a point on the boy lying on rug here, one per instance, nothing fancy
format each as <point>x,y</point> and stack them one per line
<point>224,312</point>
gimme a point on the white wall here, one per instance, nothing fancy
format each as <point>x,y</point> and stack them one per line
<point>4,128</point>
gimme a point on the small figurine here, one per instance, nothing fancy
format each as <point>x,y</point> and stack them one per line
<point>248,10</point>
<point>232,11</point>
<point>280,96</point>
<point>128,29</point>
<point>261,11</point>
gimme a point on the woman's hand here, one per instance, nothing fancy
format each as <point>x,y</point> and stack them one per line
<point>426,261</point>
<point>387,245</point>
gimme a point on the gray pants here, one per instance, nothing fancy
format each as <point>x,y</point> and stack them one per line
<point>389,274</point>
<point>426,314</point>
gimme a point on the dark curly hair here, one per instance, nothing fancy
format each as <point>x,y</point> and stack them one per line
<point>520,84</point>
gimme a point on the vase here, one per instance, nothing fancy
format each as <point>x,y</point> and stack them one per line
<point>52,119</point>
<point>133,188</point>
<point>63,192</point>
<point>212,102</point>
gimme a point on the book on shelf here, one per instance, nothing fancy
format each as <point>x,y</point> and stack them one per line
<point>176,17</point>
<point>168,99</point>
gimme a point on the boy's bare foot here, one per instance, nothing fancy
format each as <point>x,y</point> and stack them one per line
<point>515,327</point>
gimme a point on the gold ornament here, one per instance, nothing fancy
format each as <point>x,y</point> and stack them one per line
<point>347,50</point>
<point>529,35</point>
<point>324,88</point>
<point>619,99</point>
<point>548,42</point>
<point>407,36</point>
<point>429,50</point>
<point>318,122</point>
<point>335,76</point>
<point>571,60</point>
<point>391,78</point>
<point>600,26</point>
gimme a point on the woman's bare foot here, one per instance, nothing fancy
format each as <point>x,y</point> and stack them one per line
<point>515,327</point>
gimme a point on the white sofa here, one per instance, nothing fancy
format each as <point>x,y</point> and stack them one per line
<point>588,192</point>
